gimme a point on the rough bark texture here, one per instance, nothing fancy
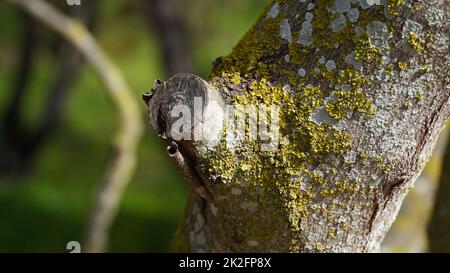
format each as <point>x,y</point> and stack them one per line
<point>363,93</point>
<point>409,231</point>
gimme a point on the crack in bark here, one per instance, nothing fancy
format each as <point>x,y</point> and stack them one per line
<point>372,217</point>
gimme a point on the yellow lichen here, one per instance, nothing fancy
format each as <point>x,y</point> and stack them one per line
<point>416,42</point>
<point>402,65</point>
<point>395,7</point>
<point>365,51</point>
<point>257,73</point>
<point>257,43</point>
<point>425,68</point>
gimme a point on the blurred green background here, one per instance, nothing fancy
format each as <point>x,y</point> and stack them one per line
<point>44,208</point>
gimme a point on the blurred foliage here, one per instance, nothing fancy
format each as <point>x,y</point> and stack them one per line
<point>44,210</point>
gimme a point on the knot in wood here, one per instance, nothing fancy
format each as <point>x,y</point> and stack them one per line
<point>186,107</point>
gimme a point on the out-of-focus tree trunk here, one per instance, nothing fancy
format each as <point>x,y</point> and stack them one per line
<point>363,93</point>
<point>439,225</point>
<point>11,150</point>
<point>126,140</point>
<point>167,20</point>
<point>20,144</point>
<point>69,64</point>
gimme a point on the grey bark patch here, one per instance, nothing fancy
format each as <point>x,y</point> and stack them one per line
<point>273,12</point>
<point>353,15</point>
<point>340,6</point>
<point>306,34</point>
<point>338,23</point>
<point>285,31</point>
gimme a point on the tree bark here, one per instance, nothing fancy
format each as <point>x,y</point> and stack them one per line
<point>363,93</point>
<point>409,231</point>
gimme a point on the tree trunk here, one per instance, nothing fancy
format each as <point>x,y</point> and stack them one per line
<point>409,231</point>
<point>362,90</point>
